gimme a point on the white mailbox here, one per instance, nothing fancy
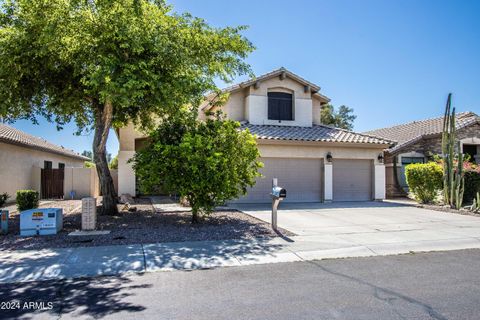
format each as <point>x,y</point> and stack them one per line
<point>45,221</point>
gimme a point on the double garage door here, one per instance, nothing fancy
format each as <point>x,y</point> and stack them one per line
<point>303,180</point>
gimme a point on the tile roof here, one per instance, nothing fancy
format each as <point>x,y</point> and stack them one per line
<point>14,136</point>
<point>411,132</point>
<point>318,133</point>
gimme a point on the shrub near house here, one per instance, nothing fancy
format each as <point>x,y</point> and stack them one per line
<point>27,199</point>
<point>472,181</point>
<point>205,162</point>
<point>424,180</point>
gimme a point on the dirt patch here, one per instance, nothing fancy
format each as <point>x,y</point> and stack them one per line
<point>146,225</point>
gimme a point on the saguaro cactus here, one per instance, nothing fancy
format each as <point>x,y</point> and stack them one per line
<point>453,178</point>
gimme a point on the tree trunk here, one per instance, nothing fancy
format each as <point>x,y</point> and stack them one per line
<point>195,216</point>
<point>103,123</point>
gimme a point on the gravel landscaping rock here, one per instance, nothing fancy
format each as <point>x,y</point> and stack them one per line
<point>146,225</point>
<point>443,208</point>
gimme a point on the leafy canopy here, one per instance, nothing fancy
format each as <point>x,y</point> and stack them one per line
<point>207,162</point>
<point>113,164</point>
<point>63,58</point>
<point>343,118</point>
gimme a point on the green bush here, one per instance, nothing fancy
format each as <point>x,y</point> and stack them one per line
<point>424,180</point>
<point>27,199</point>
<point>472,185</point>
<point>205,162</point>
<point>3,199</point>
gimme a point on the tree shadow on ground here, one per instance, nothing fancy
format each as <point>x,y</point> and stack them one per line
<point>145,226</point>
<point>92,297</point>
<point>211,254</point>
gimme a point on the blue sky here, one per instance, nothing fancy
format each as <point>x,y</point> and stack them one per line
<point>392,61</point>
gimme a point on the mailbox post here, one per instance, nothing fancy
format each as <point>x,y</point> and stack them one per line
<point>278,194</point>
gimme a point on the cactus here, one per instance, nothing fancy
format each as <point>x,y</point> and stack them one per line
<point>458,184</point>
<point>476,203</point>
<point>453,179</point>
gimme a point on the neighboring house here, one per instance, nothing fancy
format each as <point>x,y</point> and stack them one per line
<point>418,141</point>
<point>314,162</point>
<point>23,155</point>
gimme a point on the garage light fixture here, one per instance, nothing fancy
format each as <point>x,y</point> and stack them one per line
<point>329,157</point>
<point>380,158</point>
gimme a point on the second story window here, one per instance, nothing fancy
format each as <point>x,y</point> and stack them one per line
<point>280,106</point>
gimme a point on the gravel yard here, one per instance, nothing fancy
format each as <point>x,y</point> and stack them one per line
<point>146,225</point>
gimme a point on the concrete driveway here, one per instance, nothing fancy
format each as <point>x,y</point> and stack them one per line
<point>380,226</point>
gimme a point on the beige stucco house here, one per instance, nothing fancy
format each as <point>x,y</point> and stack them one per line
<point>23,155</point>
<point>314,162</point>
<point>419,141</point>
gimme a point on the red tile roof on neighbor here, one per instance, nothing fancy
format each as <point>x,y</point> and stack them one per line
<point>317,133</point>
<point>408,133</point>
<point>14,136</point>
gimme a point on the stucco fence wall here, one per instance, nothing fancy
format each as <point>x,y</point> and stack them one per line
<point>83,181</point>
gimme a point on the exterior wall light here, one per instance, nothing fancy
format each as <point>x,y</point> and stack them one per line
<point>380,158</point>
<point>329,157</point>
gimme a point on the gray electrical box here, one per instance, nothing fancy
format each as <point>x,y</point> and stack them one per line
<point>4,221</point>
<point>45,221</point>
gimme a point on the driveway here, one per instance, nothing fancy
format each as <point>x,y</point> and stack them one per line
<point>381,226</point>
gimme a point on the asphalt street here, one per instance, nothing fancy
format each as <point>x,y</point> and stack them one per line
<point>440,285</point>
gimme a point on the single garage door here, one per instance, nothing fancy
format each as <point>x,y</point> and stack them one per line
<point>352,180</point>
<point>301,178</point>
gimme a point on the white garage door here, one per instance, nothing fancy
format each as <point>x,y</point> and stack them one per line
<point>352,180</point>
<point>300,177</point>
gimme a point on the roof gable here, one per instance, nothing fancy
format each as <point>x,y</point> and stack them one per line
<point>281,72</point>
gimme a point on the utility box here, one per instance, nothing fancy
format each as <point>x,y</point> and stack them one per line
<point>42,222</point>
<point>89,213</point>
<point>4,221</point>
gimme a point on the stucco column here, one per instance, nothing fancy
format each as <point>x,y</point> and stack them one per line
<point>328,182</point>
<point>379,180</point>
<point>126,175</point>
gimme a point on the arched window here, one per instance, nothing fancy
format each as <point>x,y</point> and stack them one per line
<point>280,106</point>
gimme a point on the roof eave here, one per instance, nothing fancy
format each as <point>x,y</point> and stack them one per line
<point>19,144</point>
<point>326,143</point>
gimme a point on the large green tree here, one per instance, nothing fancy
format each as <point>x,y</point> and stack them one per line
<point>103,63</point>
<point>342,118</point>
<point>206,162</point>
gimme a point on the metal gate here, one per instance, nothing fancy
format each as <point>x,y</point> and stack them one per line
<point>52,183</point>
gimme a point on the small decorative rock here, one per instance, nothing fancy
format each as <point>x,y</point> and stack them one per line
<point>126,198</point>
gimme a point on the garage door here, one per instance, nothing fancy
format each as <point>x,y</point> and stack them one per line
<point>352,180</point>
<point>301,178</point>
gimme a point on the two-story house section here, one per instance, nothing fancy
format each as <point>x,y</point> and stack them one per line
<point>314,162</point>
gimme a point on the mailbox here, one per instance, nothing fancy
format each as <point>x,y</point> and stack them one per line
<point>278,192</point>
<point>45,221</point>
